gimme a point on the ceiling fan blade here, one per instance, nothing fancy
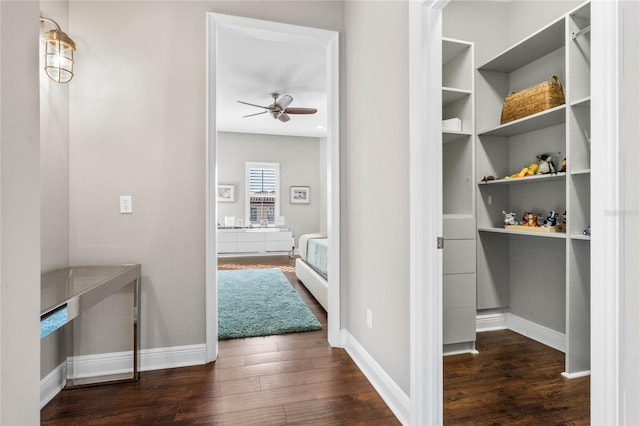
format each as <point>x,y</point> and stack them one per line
<point>284,101</point>
<point>247,103</point>
<point>257,113</point>
<point>298,110</point>
<point>284,117</point>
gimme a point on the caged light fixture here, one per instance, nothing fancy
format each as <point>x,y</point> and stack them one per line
<point>58,53</point>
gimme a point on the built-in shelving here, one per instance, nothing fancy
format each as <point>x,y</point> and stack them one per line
<point>526,179</point>
<point>532,48</point>
<point>581,172</point>
<point>448,137</point>
<point>582,103</point>
<point>529,234</point>
<point>459,226</point>
<point>541,120</point>
<point>506,257</point>
<point>451,95</point>
<point>580,237</point>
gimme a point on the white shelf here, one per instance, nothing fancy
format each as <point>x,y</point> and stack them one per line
<point>528,234</point>
<point>450,136</point>
<point>451,95</point>
<point>580,172</point>
<point>543,42</point>
<point>582,103</point>
<point>581,237</point>
<point>541,120</point>
<point>527,179</point>
<point>452,48</point>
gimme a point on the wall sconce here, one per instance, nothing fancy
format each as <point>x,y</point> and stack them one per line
<point>58,53</point>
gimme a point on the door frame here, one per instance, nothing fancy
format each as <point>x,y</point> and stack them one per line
<point>217,24</point>
<point>425,215</point>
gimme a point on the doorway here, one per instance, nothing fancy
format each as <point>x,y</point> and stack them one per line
<point>219,26</point>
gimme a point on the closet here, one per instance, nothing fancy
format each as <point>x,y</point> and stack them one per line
<point>536,283</point>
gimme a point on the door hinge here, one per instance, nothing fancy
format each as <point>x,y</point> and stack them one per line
<point>440,243</point>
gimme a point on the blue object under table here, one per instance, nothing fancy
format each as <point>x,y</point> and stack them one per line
<point>67,292</point>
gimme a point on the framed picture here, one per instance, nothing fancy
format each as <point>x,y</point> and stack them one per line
<point>226,193</point>
<point>299,195</point>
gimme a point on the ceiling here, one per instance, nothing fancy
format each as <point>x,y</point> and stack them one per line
<point>250,69</point>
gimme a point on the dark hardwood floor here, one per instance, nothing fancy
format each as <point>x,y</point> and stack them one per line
<point>513,380</point>
<point>298,379</point>
<point>294,378</point>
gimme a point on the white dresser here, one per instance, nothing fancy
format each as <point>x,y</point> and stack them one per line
<point>278,240</point>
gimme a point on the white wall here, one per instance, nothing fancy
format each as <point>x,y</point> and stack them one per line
<point>54,153</point>
<point>483,22</point>
<point>495,26</point>
<point>377,179</point>
<point>299,164</point>
<point>54,175</point>
<point>527,16</point>
<point>19,215</point>
<point>137,127</point>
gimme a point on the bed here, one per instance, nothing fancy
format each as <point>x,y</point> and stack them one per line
<point>311,267</point>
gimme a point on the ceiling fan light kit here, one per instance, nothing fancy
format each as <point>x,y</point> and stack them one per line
<point>279,109</point>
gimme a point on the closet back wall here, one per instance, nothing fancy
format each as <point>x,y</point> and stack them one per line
<point>299,166</point>
<point>496,26</point>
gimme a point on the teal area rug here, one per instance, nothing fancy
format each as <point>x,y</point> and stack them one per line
<point>260,302</point>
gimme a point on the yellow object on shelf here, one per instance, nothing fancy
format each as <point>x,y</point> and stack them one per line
<point>525,228</point>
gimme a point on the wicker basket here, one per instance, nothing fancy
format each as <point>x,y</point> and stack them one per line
<point>529,101</point>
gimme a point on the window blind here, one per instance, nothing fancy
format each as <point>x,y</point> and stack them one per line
<point>262,181</point>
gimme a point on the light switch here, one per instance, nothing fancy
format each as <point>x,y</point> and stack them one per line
<point>126,204</point>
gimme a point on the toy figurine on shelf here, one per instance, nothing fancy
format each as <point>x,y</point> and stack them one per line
<point>563,165</point>
<point>587,231</point>
<point>552,219</point>
<point>510,218</point>
<point>545,164</point>
<point>532,220</point>
<point>563,222</point>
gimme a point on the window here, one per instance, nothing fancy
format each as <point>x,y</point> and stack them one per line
<point>263,195</point>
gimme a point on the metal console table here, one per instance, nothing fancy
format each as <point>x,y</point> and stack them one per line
<point>67,292</point>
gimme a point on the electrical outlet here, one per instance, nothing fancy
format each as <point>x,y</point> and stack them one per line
<point>369,319</point>
<point>126,204</point>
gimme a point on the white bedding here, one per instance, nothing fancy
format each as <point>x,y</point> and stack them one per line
<point>302,244</point>
<point>308,275</point>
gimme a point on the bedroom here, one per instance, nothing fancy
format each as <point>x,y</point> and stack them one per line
<point>276,167</point>
<point>298,162</point>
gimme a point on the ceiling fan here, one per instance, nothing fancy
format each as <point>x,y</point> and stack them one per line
<point>280,109</point>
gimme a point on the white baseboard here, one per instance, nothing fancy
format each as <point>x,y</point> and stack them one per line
<point>172,357</point>
<point>52,384</point>
<point>537,332</point>
<point>119,362</point>
<point>576,375</point>
<point>491,322</point>
<point>396,399</point>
